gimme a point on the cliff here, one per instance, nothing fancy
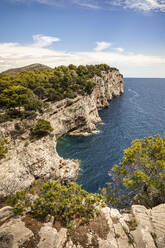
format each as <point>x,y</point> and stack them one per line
<point>27,161</point>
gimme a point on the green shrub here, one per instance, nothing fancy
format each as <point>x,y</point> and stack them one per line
<point>3,147</point>
<point>65,202</point>
<point>17,96</point>
<point>4,118</point>
<point>31,115</point>
<point>41,129</point>
<point>18,131</point>
<point>20,202</point>
<point>140,177</point>
<point>26,144</point>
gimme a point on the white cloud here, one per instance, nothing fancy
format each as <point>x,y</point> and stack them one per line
<point>145,5</point>
<point>102,46</point>
<point>48,2</point>
<point>92,4</point>
<point>138,65</point>
<point>44,41</point>
<point>119,49</point>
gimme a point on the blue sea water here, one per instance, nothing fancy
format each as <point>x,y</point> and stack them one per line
<point>139,112</point>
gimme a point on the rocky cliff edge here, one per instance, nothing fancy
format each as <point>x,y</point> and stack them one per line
<point>140,228</point>
<point>27,161</point>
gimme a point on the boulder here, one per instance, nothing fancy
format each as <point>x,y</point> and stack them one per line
<point>5,213</point>
<point>13,234</point>
<point>50,238</point>
<point>142,234</point>
<point>157,215</point>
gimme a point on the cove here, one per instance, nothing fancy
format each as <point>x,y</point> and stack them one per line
<point>139,112</point>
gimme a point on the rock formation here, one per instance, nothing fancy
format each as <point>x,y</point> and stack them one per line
<point>140,228</point>
<point>27,161</point>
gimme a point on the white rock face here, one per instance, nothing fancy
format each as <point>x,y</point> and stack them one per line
<point>38,160</point>
<point>157,216</point>
<point>25,163</point>
<point>5,213</point>
<point>107,87</point>
<point>148,232</point>
<point>73,115</point>
<point>14,233</point>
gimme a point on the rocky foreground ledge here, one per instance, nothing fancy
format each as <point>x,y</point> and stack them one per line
<point>27,161</point>
<point>140,228</point>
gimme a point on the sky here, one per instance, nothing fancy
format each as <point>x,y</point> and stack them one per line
<point>127,34</point>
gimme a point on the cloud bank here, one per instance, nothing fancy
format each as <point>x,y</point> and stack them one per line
<point>144,5</point>
<point>14,55</point>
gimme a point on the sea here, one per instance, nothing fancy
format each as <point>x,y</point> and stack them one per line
<point>138,113</point>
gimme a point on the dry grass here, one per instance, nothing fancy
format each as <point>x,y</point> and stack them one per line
<point>35,226</point>
<point>97,228</point>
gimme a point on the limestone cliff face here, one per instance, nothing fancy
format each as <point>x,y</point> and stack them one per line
<point>107,87</point>
<point>77,115</point>
<point>27,161</point>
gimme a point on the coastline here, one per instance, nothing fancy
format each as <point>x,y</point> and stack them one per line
<point>40,158</point>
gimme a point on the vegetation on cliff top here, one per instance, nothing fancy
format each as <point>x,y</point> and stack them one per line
<point>30,90</point>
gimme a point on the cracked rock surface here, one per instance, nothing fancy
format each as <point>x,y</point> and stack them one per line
<point>140,228</point>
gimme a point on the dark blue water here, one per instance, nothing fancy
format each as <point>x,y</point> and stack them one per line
<point>139,112</point>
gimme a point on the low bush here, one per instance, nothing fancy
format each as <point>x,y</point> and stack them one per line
<point>65,202</point>
<point>3,147</point>
<point>41,129</point>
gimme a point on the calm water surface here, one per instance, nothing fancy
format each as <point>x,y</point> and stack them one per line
<point>139,112</point>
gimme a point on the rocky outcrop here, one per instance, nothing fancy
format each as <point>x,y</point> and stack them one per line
<point>38,160</point>
<point>107,87</point>
<point>140,228</point>
<point>5,213</point>
<point>73,115</point>
<point>13,234</point>
<point>27,161</point>
<point>151,226</point>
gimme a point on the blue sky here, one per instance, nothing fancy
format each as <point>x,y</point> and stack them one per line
<point>128,34</point>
